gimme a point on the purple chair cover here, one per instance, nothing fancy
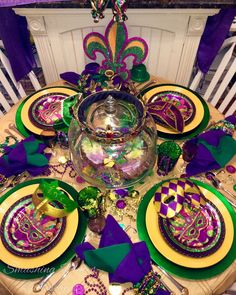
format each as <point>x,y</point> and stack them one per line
<point>216,30</point>
<point>16,40</point>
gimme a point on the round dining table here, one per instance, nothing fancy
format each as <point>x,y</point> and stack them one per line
<point>215,285</point>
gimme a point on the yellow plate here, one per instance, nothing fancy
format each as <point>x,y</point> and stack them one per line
<point>199,113</point>
<point>166,250</point>
<point>25,110</point>
<point>72,221</point>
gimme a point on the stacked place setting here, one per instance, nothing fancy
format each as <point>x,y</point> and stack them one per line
<point>179,112</point>
<point>39,237</point>
<point>189,228</point>
<point>46,111</point>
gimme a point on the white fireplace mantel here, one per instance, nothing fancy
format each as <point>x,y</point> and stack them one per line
<point>172,35</point>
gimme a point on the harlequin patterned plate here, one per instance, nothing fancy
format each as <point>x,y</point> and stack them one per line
<point>196,232</point>
<point>186,100</point>
<point>201,272</point>
<point>43,110</point>
<point>72,221</point>
<point>25,232</point>
<point>153,228</point>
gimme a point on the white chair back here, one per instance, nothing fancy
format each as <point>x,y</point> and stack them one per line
<point>219,92</point>
<point>13,88</point>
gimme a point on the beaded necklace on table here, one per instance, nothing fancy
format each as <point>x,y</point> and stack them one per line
<point>150,284</point>
<point>6,142</point>
<point>61,169</point>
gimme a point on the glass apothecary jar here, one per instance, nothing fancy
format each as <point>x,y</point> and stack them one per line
<point>112,139</point>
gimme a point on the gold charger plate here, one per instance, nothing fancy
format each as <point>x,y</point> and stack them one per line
<point>199,109</point>
<point>72,221</point>
<point>26,107</point>
<point>153,229</point>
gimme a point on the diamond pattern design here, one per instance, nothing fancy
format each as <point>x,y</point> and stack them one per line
<point>180,189</point>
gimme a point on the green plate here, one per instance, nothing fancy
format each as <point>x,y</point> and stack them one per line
<point>60,261</point>
<point>193,132</point>
<point>19,124</point>
<point>180,271</point>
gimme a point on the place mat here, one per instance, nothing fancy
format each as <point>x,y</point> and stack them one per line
<point>186,272</point>
<point>195,232</point>
<point>72,221</point>
<point>25,126</point>
<point>27,233</point>
<point>169,134</point>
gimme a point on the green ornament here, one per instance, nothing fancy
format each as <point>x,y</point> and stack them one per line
<point>89,200</point>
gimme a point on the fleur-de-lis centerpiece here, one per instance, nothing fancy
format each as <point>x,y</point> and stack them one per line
<point>115,46</point>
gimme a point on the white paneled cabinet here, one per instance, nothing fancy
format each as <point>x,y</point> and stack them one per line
<point>172,35</point>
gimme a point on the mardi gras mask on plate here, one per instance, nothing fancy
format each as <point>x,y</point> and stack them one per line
<point>191,224</point>
<point>170,196</point>
<point>49,193</point>
<point>167,113</point>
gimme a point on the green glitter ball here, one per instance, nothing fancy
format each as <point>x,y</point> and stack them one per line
<point>88,193</point>
<point>89,199</point>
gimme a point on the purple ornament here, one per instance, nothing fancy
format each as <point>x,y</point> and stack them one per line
<point>78,289</point>
<point>230,169</point>
<point>79,179</point>
<point>209,175</point>
<point>121,204</point>
<point>122,193</point>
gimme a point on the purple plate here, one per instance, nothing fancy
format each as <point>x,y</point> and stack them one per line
<point>181,101</point>
<point>27,233</point>
<point>196,232</point>
<point>46,111</point>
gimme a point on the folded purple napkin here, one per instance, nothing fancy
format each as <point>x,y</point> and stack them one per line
<point>167,113</point>
<point>70,77</point>
<point>27,155</point>
<point>130,261</point>
<point>123,260</point>
<point>212,149</point>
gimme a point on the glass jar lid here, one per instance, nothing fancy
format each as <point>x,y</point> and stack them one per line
<point>111,115</point>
